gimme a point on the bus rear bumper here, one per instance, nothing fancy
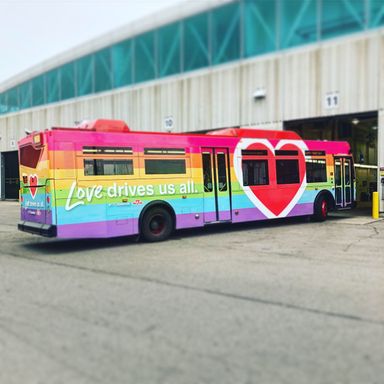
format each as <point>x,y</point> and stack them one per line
<point>46,230</point>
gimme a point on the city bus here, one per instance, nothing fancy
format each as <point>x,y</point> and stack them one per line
<point>100,179</point>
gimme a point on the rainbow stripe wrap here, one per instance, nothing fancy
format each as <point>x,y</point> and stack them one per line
<point>57,192</point>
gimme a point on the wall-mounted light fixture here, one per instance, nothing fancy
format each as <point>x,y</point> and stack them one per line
<point>355,121</point>
<point>259,94</point>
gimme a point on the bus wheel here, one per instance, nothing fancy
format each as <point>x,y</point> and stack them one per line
<point>157,224</point>
<point>321,209</point>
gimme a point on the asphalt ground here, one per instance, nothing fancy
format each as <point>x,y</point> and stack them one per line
<point>274,302</point>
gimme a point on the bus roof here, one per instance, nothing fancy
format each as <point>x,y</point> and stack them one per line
<point>121,128</point>
<point>255,133</point>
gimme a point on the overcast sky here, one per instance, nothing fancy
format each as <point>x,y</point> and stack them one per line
<point>32,31</point>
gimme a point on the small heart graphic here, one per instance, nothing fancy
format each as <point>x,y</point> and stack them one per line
<point>273,200</point>
<point>33,181</point>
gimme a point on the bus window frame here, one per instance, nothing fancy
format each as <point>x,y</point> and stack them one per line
<point>327,174</point>
<point>270,171</point>
<point>286,184</point>
<point>81,157</point>
<point>144,176</point>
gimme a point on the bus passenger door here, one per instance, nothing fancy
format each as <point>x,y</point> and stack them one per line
<point>216,177</point>
<point>343,182</point>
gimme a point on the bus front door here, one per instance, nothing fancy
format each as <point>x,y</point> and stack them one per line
<point>217,190</point>
<point>343,182</point>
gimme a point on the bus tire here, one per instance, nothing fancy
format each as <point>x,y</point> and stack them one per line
<point>157,224</point>
<point>321,208</point>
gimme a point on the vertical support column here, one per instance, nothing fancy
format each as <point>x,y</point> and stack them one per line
<point>380,159</point>
<point>2,177</point>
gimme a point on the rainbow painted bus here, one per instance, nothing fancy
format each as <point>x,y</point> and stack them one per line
<point>101,179</point>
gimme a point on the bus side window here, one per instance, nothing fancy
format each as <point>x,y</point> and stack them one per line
<point>287,171</point>
<point>107,167</point>
<point>159,161</point>
<point>316,170</point>
<point>165,166</point>
<point>255,172</point>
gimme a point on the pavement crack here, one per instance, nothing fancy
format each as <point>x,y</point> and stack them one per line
<point>352,243</point>
<point>376,231</point>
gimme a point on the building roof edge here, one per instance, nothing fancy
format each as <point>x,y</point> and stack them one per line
<point>170,14</point>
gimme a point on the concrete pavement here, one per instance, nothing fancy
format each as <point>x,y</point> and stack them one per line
<point>274,302</point>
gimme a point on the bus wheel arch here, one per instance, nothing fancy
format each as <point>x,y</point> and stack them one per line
<point>157,221</point>
<point>324,203</point>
